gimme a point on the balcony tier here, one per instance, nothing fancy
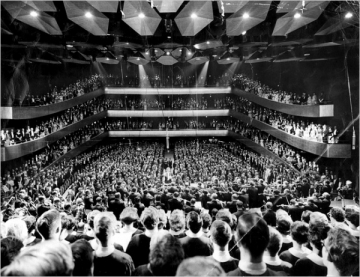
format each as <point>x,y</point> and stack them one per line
<point>297,110</point>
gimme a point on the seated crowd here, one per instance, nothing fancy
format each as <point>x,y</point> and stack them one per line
<point>210,210</point>
<point>297,126</point>
<point>243,82</point>
<point>57,95</point>
<point>44,127</point>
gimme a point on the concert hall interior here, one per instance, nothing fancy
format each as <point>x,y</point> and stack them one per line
<point>173,138</point>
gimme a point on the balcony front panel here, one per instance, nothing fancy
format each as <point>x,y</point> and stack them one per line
<point>166,91</point>
<point>179,133</point>
<point>314,147</point>
<point>297,110</point>
<point>39,111</point>
<point>167,113</point>
<point>22,149</point>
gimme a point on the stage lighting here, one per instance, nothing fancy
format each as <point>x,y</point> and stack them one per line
<point>348,15</point>
<point>141,15</point>
<point>193,15</point>
<point>34,14</point>
<point>297,15</point>
<point>243,33</point>
<point>246,15</point>
<point>88,15</point>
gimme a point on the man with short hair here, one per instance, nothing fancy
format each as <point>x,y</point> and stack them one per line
<point>117,206</point>
<point>253,235</point>
<point>108,260</point>
<point>220,236</point>
<point>240,209</point>
<point>195,243</point>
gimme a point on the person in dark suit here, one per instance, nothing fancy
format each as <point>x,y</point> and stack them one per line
<point>205,198</point>
<point>253,195</point>
<point>240,209</point>
<point>176,203</point>
<point>214,203</point>
<point>295,210</point>
<point>232,205</point>
<point>186,195</point>
<point>118,205</point>
<point>195,243</point>
<point>191,207</point>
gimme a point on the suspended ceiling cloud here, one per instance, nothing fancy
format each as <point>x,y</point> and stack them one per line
<point>289,23</point>
<point>105,6</point>
<point>43,22</point>
<point>250,15</point>
<point>96,24</point>
<point>167,6</point>
<point>194,17</point>
<point>141,17</point>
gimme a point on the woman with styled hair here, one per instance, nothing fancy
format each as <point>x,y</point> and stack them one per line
<point>299,232</point>
<point>128,217</point>
<point>49,225</point>
<point>313,264</point>
<point>49,258</point>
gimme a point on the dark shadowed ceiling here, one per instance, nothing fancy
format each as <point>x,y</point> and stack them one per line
<point>108,31</point>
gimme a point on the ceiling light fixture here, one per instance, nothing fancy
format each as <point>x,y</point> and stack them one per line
<point>193,15</point>
<point>168,53</point>
<point>246,15</point>
<point>189,53</point>
<point>297,15</point>
<point>228,59</point>
<point>141,15</point>
<point>138,59</point>
<point>349,15</point>
<point>34,14</point>
<point>208,42</point>
<point>169,37</point>
<point>88,15</point>
<point>243,33</point>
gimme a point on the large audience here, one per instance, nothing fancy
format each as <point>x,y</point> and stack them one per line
<point>57,95</point>
<point>203,207</point>
<point>212,208</point>
<point>256,87</point>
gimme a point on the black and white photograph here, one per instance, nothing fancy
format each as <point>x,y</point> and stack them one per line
<point>179,138</point>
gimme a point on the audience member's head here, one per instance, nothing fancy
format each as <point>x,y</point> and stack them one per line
<point>225,215</point>
<point>49,225</point>
<point>49,258</point>
<point>305,216</point>
<point>337,214</point>
<point>194,222</point>
<point>220,233</point>
<point>162,219</point>
<point>341,253</point>
<point>10,248</point>
<point>200,266</point>
<point>83,258</point>
<point>270,218</point>
<point>166,256</point>
<point>150,218</point>
<point>17,228</point>
<point>275,242</point>
<point>352,219</point>
<point>104,227</point>
<point>283,226</point>
<point>317,217</point>
<point>129,215</point>
<point>317,233</point>
<point>177,220</point>
<point>252,234</point>
<point>299,232</point>
<point>206,220</point>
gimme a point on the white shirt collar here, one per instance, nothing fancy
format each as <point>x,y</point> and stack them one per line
<point>104,251</point>
<point>252,268</point>
<point>221,256</point>
<point>192,235</point>
<point>272,260</point>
